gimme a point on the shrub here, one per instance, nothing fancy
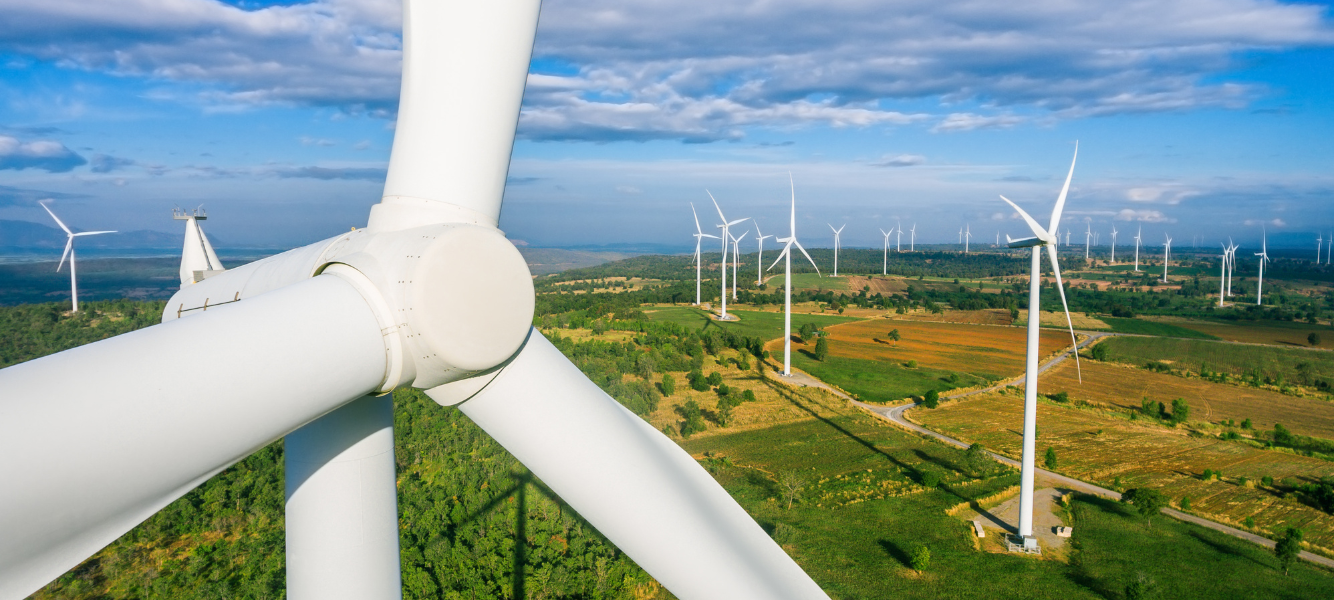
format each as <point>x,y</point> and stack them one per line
<point>723,389</point>
<point>694,419</point>
<point>1061,397</point>
<point>1185,503</point>
<point>930,479</point>
<point>668,384</point>
<point>1180,410</point>
<point>1313,339</point>
<point>1267,481</point>
<point>697,381</point>
<point>932,399</point>
<point>821,348</point>
<point>912,364</point>
<point>1147,501</point>
<point>1246,424</point>
<point>921,558</point>
<point>715,378</point>
<point>748,396</point>
<point>1050,459</point>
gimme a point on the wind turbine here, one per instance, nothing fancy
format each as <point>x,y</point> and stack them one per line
<point>1088,236</point>
<point>725,226</point>
<point>884,263</point>
<point>898,241</point>
<point>1067,236</point>
<point>967,236</point>
<point>1137,240</point>
<point>198,260</point>
<point>788,242</point>
<point>1114,232</point>
<point>836,245</point>
<point>912,239</point>
<point>1222,277</point>
<point>1167,255</point>
<point>69,253</point>
<point>306,343</point>
<point>960,236</point>
<point>1231,264</point>
<point>1042,238</point>
<point>1264,258</point>
<point>759,258</point>
<point>1319,245</point>
<point>699,258</point>
<point>736,259</point>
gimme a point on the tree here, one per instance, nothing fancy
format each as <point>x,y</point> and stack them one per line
<point>1180,410</point>
<point>668,384</point>
<point>694,419</point>
<point>790,484</point>
<point>1148,502</point>
<point>1282,436</point>
<point>806,331</point>
<point>1288,548</point>
<point>715,378</point>
<point>1314,339</point>
<point>932,399</point>
<point>895,337</point>
<point>1148,407</point>
<point>921,558</point>
<point>821,348</point>
<point>1050,459</point>
<point>759,368</point>
<point>978,460</point>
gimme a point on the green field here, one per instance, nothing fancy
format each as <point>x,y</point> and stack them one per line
<point>1155,328</point>
<point>878,381</point>
<point>864,511</point>
<point>810,281</point>
<point>1234,359</point>
<point>764,325</point>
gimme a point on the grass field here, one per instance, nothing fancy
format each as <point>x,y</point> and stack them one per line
<point>1256,332</point>
<point>1100,447</point>
<point>810,281</point>
<point>1155,328</point>
<point>863,511</point>
<point>765,325</point>
<point>1234,359</point>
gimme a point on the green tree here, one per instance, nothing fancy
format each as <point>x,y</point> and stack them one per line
<point>1313,339</point>
<point>1148,407</point>
<point>821,348</point>
<point>1049,460</point>
<point>1180,410</point>
<point>894,336</point>
<point>694,419</point>
<point>979,461</point>
<point>1148,502</point>
<point>1246,424</point>
<point>921,558</point>
<point>932,399</point>
<point>790,484</point>
<point>806,331</point>
<point>1288,548</point>
<point>715,378</point>
<point>1185,503</point>
<point>1282,436</point>
<point>668,384</point>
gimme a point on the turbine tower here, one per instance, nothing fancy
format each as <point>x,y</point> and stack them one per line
<point>884,263</point>
<point>198,260</point>
<point>1264,258</point>
<point>1114,232</point>
<point>69,253</point>
<point>1167,255</point>
<point>786,255</point>
<point>736,259</point>
<point>898,240</point>
<point>722,316</point>
<point>1222,277</point>
<point>1138,235</point>
<point>1319,244</point>
<point>1231,264</point>
<point>306,344</point>
<point>699,258</point>
<point>1088,237</point>
<point>836,245</point>
<point>759,257</point>
<point>912,239</point>
<point>1042,238</point>
<point>967,236</point>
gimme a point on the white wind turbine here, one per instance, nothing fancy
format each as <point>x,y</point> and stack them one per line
<point>699,258</point>
<point>759,257</point>
<point>725,227</point>
<point>1319,244</point>
<point>786,255</point>
<point>836,245</point>
<point>1114,232</point>
<point>960,236</point>
<point>912,239</point>
<point>1264,258</point>
<point>1043,238</point>
<point>69,253</point>
<point>736,259</point>
<point>898,240</point>
<point>1137,240</point>
<point>1231,264</point>
<point>1167,255</point>
<point>306,344</point>
<point>967,237</point>
<point>1067,236</point>
<point>1222,277</point>
<point>198,260</point>
<point>884,263</point>
<point>1088,236</point>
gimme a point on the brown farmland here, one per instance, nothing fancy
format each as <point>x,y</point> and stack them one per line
<point>988,351</point>
<point>1099,447</point>
<point>988,316</point>
<point>1125,386</point>
<point>1254,333</point>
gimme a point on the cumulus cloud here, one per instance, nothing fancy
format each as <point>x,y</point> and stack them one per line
<point>902,160</point>
<point>1258,222</point>
<point>627,189</point>
<point>703,71</point>
<point>321,142</point>
<point>1143,216</point>
<point>47,155</point>
<point>1167,194</point>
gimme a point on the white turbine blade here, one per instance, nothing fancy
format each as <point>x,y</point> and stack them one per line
<point>1041,233</point>
<point>696,215</point>
<point>737,240</point>
<point>1065,189</point>
<point>715,206</point>
<point>737,221</point>
<point>69,243</point>
<point>705,235</point>
<point>1060,287</point>
<point>782,254</point>
<point>632,483</point>
<point>1027,242</point>
<point>808,257</point>
<point>83,233</point>
<point>58,221</point>
<point>452,148</point>
<point>133,431</point>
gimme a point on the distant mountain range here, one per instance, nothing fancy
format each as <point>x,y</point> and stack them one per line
<point>26,235</point>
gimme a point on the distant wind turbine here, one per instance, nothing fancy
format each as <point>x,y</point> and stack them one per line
<point>912,240</point>
<point>1043,238</point>
<point>1319,244</point>
<point>898,243</point>
<point>1114,232</point>
<point>836,246</point>
<point>1222,277</point>
<point>967,236</point>
<point>884,263</point>
<point>759,258</point>
<point>1137,240</point>
<point>736,259</point>
<point>725,226</point>
<point>699,260</point>
<point>1231,264</point>
<point>1088,237</point>
<point>69,252</point>
<point>1167,255</point>
<point>1264,258</point>
<point>786,254</point>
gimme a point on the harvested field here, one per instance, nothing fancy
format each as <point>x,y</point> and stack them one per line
<point>879,284</point>
<point>1255,332</point>
<point>990,316</point>
<point>1057,319</point>
<point>1125,386</point>
<point>1102,448</point>
<point>989,352</point>
<point>1233,359</point>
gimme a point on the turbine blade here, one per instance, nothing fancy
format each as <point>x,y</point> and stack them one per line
<point>1065,189</point>
<point>715,206</point>
<point>808,257</point>
<point>90,233</point>
<point>737,221</point>
<point>120,441</point>
<point>69,243</point>
<point>58,221</point>
<point>1060,287</point>
<point>637,487</point>
<point>782,254</point>
<point>696,215</point>
<point>1037,229</point>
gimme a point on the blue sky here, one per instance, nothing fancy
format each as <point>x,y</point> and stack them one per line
<point>1200,117</point>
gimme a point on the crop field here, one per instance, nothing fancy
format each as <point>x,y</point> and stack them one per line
<point>1256,332</point>
<point>863,510</point>
<point>988,316</point>
<point>1106,449</point>
<point>1057,319</point>
<point>989,352</point>
<point>810,281</point>
<point>764,325</point>
<point>1155,328</point>
<point>1125,386</point>
<point>879,284</point>
<point>1234,359</point>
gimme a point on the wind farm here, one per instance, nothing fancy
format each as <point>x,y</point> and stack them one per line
<point>492,365</point>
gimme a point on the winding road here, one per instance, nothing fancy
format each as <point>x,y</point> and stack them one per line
<point>895,414</point>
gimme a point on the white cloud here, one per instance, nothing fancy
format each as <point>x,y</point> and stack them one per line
<point>1167,194</point>
<point>47,155</point>
<point>901,160</point>
<point>310,141</point>
<point>970,121</point>
<point>1144,216</point>
<point>626,189</point>
<point>1258,222</point>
